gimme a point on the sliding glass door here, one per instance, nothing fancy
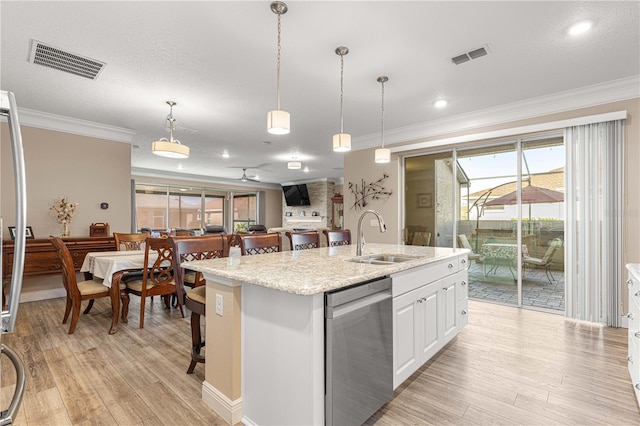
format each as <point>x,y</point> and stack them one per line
<point>505,203</point>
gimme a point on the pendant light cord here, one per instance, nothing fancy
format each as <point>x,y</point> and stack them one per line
<point>341,93</point>
<point>278,65</point>
<point>382,118</point>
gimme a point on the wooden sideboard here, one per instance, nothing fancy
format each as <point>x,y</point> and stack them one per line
<point>41,257</point>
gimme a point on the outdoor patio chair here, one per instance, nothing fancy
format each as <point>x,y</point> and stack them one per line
<point>464,243</point>
<point>546,261</point>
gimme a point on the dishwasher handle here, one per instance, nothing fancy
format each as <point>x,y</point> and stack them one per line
<point>333,312</point>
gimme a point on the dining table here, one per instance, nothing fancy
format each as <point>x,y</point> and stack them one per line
<point>110,266</point>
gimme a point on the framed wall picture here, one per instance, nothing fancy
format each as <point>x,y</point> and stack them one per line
<point>12,232</point>
<point>424,200</point>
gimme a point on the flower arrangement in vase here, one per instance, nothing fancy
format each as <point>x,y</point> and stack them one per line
<point>64,211</point>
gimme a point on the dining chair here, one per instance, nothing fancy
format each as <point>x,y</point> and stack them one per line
<point>251,244</point>
<point>130,241</point>
<point>195,299</point>
<point>303,240</point>
<point>546,261</point>
<point>340,237</point>
<point>157,277</point>
<point>79,291</point>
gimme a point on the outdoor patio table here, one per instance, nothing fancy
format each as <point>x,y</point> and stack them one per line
<point>497,253</point>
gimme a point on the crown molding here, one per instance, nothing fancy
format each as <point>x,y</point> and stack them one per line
<point>154,173</point>
<point>60,123</point>
<point>584,97</point>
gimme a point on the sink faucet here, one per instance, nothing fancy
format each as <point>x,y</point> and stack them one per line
<point>360,236</point>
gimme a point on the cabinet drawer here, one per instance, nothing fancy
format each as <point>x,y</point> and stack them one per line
<point>463,262</point>
<point>412,279</point>
<point>463,286</point>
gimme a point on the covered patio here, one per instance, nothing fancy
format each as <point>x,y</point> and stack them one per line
<point>500,287</point>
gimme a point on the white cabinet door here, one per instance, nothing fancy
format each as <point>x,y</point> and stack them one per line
<point>430,316</point>
<point>405,349</point>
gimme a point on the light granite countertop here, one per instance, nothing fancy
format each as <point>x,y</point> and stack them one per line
<point>309,272</point>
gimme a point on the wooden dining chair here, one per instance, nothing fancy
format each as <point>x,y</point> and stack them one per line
<point>129,241</point>
<point>303,240</point>
<point>79,291</point>
<point>339,237</point>
<point>195,299</point>
<point>251,244</point>
<point>157,277</point>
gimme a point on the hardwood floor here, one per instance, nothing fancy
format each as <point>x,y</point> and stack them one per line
<point>507,367</point>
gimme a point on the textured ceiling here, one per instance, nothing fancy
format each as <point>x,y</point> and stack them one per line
<point>217,61</point>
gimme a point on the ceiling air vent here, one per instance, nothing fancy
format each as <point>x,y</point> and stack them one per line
<point>52,57</point>
<point>472,54</point>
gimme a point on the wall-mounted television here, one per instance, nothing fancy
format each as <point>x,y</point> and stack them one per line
<point>296,195</point>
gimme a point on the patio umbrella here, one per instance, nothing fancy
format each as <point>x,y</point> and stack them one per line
<point>530,195</point>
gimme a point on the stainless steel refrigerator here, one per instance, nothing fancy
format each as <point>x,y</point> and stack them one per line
<point>9,110</point>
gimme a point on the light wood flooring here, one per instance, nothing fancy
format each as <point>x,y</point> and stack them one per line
<point>507,367</point>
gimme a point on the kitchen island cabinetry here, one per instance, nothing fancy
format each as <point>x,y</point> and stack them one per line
<point>281,304</point>
<point>427,313</point>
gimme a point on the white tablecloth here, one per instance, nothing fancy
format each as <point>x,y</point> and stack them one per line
<point>104,264</point>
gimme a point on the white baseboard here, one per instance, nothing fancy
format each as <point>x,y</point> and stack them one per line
<point>230,411</point>
<point>32,296</point>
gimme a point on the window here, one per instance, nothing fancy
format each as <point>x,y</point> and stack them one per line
<point>244,211</point>
<point>160,207</point>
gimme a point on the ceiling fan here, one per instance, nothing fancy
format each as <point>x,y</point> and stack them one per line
<point>246,178</point>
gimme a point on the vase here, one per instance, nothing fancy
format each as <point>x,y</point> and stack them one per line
<point>65,230</point>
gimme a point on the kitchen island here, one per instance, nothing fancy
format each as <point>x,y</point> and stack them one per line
<point>269,312</point>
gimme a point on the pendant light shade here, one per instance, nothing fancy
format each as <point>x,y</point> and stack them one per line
<point>382,154</point>
<point>342,140</point>
<point>278,121</point>
<point>170,148</point>
<point>294,165</point>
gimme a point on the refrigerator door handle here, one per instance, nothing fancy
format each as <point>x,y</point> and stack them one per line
<point>8,416</point>
<point>8,107</point>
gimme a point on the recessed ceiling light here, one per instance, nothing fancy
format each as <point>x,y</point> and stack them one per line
<point>306,170</point>
<point>580,28</point>
<point>225,154</point>
<point>440,103</point>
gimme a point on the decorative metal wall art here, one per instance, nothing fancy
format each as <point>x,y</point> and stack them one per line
<point>372,191</point>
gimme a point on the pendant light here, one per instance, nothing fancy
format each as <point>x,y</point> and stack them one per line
<point>382,155</point>
<point>342,140</point>
<point>278,121</point>
<point>294,165</point>
<point>171,148</point>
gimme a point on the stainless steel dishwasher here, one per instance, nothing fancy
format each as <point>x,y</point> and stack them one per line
<point>358,352</point>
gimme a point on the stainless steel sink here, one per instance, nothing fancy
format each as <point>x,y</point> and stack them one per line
<point>382,259</point>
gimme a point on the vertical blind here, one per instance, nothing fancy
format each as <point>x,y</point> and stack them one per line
<point>594,221</point>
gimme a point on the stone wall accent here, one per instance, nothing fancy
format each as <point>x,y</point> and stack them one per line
<point>320,194</point>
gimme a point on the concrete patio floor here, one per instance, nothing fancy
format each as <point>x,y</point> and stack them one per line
<point>537,291</point>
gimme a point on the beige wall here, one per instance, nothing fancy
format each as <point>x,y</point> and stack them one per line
<point>86,170</point>
<point>360,165</point>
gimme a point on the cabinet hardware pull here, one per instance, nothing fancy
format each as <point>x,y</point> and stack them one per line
<point>424,299</point>
<point>463,282</point>
<point>638,386</point>
<point>463,261</point>
<point>419,300</point>
<point>629,281</point>
<point>637,293</point>
<point>630,315</point>
<point>450,265</point>
<point>630,359</point>
<point>464,312</point>
<point>637,334</point>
